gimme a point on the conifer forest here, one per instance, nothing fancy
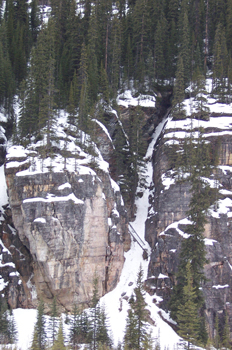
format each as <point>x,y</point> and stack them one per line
<point>77,57</point>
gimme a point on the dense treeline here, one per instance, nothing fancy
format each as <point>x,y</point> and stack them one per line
<point>109,45</point>
<point>86,52</point>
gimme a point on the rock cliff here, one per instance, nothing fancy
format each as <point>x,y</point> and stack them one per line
<point>71,219</point>
<point>165,226</point>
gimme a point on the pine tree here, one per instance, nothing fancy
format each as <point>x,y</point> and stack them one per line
<point>53,326</point>
<point>74,328</point>
<point>39,336</point>
<point>95,314</point>
<point>59,342</point>
<point>220,63</point>
<point>200,95</point>
<point>136,333</point>
<point>115,55</point>
<point>4,322</point>
<point>216,339</point>
<point>34,20</point>
<point>12,333</point>
<point>226,333</point>
<point>178,93</point>
<point>102,336</point>
<point>187,314</point>
<point>185,50</point>
<point>103,84</point>
<point>98,332</point>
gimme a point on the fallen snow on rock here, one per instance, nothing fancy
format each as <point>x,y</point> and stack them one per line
<point>126,99</point>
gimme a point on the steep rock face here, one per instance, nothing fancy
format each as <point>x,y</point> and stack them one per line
<point>16,265</point>
<point>165,226</point>
<point>73,224</point>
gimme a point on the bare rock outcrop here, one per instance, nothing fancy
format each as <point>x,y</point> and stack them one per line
<point>165,226</point>
<point>72,223</point>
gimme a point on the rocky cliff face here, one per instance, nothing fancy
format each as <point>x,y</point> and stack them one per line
<point>71,219</point>
<point>66,213</point>
<point>165,226</point>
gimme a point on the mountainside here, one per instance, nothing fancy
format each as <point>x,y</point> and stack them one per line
<point>63,200</point>
<point>169,204</point>
<point>115,153</point>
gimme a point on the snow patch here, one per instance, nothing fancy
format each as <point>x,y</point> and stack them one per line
<point>62,187</point>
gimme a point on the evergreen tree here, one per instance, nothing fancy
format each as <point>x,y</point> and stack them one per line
<point>136,334</point>
<point>200,95</point>
<point>115,55</point>
<point>103,337</point>
<point>74,328</point>
<point>53,324</point>
<point>220,63</point>
<point>216,339</point>
<point>103,84</point>
<point>187,314</point>
<point>92,58</point>
<point>4,322</point>
<point>159,52</point>
<point>178,93</point>
<point>12,332</point>
<point>59,342</point>
<point>98,335</point>
<point>39,336</point>
<point>34,20</point>
<point>226,333</point>
<point>185,50</point>
<point>71,106</point>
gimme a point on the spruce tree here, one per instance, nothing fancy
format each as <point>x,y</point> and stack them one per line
<point>98,334</point>
<point>136,333</point>
<point>226,333</point>
<point>187,314</point>
<point>220,63</point>
<point>185,50</point>
<point>200,95</point>
<point>74,328</point>
<point>39,335</point>
<point>53,322</point>
<point>12,333</point>
<point>178,93</point>
<point>59,342</point>
<point>4,322</point>
<point>216,339</point>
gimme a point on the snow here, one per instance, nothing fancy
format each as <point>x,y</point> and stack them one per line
<point>116,304</point>
<point>41,220</point>
<point>115,186</point>
<point>209,241</point>
<point>62,187</point>
<point>51,198</point>
<point>161,275</point>
<point>2,283</point>
<point>16,152</point>
<point>167,181</point>
<point>175,225</point>
<point>126,99</point>
<point>3,193</point>
<point>104,129</point>
<point>223,207</point>
<point>25,320</point>
<point>219,286</point>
